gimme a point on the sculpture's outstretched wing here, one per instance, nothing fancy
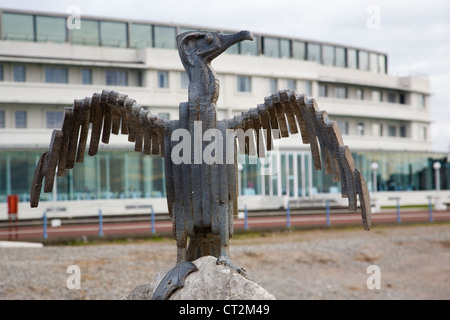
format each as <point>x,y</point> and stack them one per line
<point>289,112</point>
<point>108,112</point>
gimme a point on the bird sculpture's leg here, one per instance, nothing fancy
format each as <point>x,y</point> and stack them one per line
<point>174,279</point>
<point>225,260</point>
<point>224,231</point>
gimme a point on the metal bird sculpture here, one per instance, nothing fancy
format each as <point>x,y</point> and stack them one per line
<point>201,195</point>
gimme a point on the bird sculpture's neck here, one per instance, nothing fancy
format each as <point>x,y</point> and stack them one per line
<point>197,49</point>
<point>204,86</point>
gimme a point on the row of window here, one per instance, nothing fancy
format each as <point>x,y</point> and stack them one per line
<point>60,75</point>
<point>244,84</point>
<point>383,130</point>
<point>40,28</point>
<point>378,129</point>
<point>118,174</point>
<point>120,78</point>
<point>342,92</point>
<point>53,119</point>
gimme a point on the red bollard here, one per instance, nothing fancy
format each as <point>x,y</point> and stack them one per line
<point>13,210</point>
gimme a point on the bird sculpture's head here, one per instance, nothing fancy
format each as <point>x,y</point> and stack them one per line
<point>202,46</point>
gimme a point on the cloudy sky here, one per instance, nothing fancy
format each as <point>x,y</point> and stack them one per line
<point>415,34</point>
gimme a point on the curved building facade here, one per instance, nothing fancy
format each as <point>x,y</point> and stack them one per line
<point>47,61</point>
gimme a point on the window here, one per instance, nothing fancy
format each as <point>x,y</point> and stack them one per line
<point>249,47</point>
<point>392,131</point>
<point>363,59</point>
<point>140,75</point>
<point>382,63</point>
<point>323,90</point>
<point>164,37</point>
<point>163,79</point>
<point>291,84</point>
<point>377,129</point>
<point>360,129</point>
<point>308,88</point>
<point>86,76</point>
<point>184,29</point>
<point>340,57</point>
<point>373,60</point>
<point>343,126</point>
<point>423,133</point>
<point>298,50</point>
<point>19,73</point>
<point>88,34</point>
<point>141,36</point>
<point>2,119</point>
<point>340,92</point>
<point>1,72</point>
<point>359,94</point>
<point>328,55</point>
<point>402,132</point>
<point>18,26</point>
<point>184,80</point>
<point>422,101</point>
<point>273,85</point>
<point>244,84</point>
<point>113,34</point>
<point>54,119</point>
<point>55,75</point>
<point>164,115</point>
<point>51,29</point>
<point>391,97</point>
<point>285,48</point>
<point>116,78</point>
<point>402,98</point>
<point>352,59</point>
<point>376,95</point>
<point>314,52</point>
<point>20,119</point>
<point>271,47</point>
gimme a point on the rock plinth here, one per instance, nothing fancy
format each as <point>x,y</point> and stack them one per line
<point>209,282</point>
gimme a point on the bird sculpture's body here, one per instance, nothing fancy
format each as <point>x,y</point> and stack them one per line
<point>201,193</point>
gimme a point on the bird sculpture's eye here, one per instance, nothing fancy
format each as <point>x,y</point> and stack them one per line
<point>208,38</point>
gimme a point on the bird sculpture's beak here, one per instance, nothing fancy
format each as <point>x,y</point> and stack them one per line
<point>227,41</point>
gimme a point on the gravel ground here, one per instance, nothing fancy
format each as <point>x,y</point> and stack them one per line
<point>413,261</point>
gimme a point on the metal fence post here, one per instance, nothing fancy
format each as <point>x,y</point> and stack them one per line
<point>288,216</point>
<point>398,207</point>
<point>327,206</point>
<point>430,209</point>
<point>153,219</point>
<point>100,223</point>
<point>245,217</point>
<point>44,225</point>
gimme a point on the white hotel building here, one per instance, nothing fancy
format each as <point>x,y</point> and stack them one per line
<point>44,66</point>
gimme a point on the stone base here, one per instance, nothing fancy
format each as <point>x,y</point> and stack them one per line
<point>209,282</point>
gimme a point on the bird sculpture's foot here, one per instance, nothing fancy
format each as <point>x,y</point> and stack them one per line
<point>226,261</point>
<point>173,280</point>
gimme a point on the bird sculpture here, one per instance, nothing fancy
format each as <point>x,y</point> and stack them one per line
<point>202,192</point>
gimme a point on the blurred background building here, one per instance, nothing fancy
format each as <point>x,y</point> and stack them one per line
<point>47,61</point>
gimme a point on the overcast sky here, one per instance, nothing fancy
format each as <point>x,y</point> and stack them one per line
<point>415,34</point>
